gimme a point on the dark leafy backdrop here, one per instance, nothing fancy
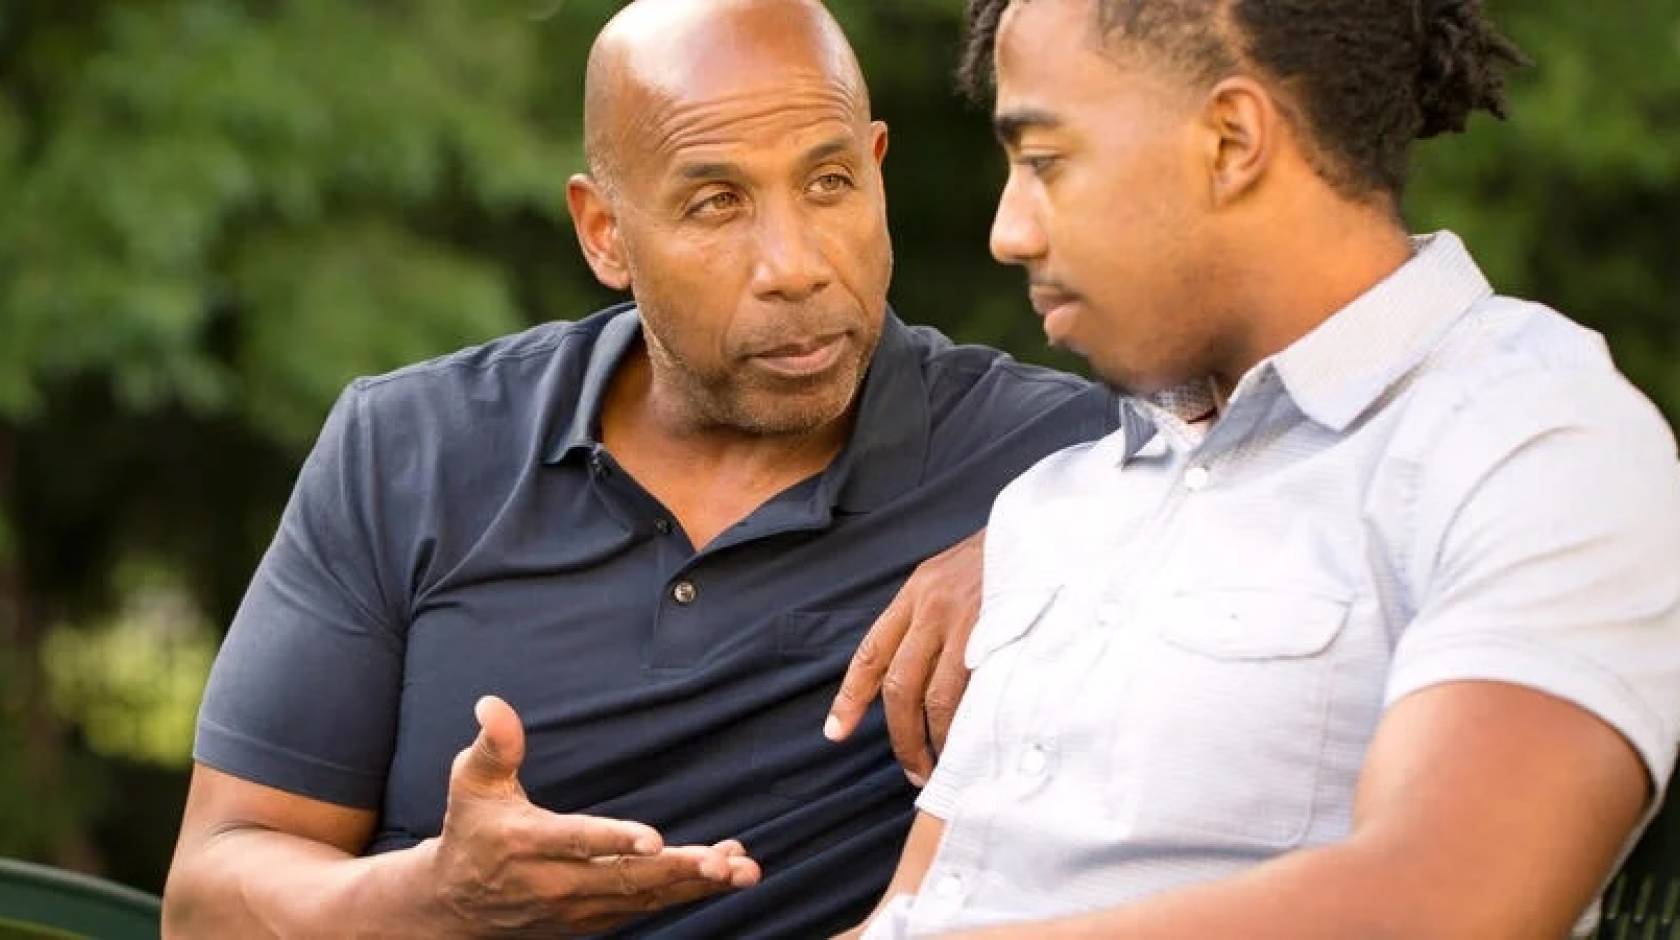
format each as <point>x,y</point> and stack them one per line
<point>213,214</point>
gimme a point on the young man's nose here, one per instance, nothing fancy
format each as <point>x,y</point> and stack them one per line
<point>1016,236</point>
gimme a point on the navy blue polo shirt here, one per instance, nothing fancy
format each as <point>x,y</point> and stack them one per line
<point>460,530</point>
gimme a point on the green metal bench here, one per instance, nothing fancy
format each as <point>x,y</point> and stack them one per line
<point>1643,900</point>
<point>41,902</point>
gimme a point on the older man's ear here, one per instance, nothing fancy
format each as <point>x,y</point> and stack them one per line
<point>597,230</point>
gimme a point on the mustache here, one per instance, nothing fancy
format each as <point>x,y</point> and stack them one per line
<point>1048,285</point>
<point>797,332</point>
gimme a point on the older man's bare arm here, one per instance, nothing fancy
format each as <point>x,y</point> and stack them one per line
<point>253,861</point>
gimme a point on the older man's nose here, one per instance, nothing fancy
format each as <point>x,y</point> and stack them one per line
<point>791,264</point>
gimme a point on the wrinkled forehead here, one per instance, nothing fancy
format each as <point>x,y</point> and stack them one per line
<point>724,71</point>
<point>719,56</point>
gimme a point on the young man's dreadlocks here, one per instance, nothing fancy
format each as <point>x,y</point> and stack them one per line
<point>1364,77</point>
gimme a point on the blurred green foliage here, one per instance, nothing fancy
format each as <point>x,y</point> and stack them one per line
<point>213,213</point>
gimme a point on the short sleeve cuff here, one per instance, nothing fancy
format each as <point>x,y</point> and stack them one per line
<point>259,762</point>
<point>939,797</point>
<point>1573,679</point>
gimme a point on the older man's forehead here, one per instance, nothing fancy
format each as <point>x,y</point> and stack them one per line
<point>794,107</point>
<point>720,56</point>
<point>665,70</point>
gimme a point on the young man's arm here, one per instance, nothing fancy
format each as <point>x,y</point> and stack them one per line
<point>1485,811</point>
<point>919,849</point>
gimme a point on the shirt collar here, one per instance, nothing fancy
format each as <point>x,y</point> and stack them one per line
<point>887,452</point>
<point>616,338</point>
<point>1336,372</point>
<point>1148,421</point>
<point>884,456</point>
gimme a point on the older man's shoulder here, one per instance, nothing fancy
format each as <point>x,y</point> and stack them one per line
<point>981,399</point>
<point>956,371</point>
<point>490,365</point>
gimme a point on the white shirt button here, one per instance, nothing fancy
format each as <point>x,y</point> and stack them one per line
<point>1196,478</point>
<point>949,886</point>
<point>1034,760</point>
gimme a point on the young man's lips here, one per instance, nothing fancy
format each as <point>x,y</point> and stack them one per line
<point>804,358</point>
<point>1046,302</point>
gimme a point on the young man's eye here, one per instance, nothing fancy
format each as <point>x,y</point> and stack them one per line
<point>1038,164</point>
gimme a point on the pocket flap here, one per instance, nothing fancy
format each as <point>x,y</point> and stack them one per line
<point>1252,623</point>
<point>1004,618</point>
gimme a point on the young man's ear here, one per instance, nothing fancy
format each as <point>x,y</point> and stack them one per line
<point>1240,130</point>
<point>597,231</point>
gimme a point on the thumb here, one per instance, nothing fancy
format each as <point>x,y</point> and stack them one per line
<point>492,762</point>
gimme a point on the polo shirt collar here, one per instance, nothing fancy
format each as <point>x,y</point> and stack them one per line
<point>1336,372</point>
<point>887,452</point>
<point>617,337</point>
<point>884,457</point>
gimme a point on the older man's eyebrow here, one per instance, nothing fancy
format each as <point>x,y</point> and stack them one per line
<point>708,171</point>
<point>1011,125</point>
<point>828,149</point>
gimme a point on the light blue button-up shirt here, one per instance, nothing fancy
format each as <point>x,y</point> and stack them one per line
<point>1188,640</point>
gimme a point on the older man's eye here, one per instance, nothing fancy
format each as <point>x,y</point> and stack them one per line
<point>830,184</point>
<point>716,204</point>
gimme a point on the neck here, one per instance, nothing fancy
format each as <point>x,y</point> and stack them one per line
<point>708,475</point>
<point>658,405</point>
<point>1302,269</point>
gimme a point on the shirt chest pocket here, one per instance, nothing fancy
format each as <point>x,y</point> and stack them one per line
<point>1005,619</point>
<point>790,757</point>
<point>1012,653</point>
<point>1225,728</point>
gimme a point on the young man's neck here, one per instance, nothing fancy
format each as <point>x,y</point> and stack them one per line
<point>1304,268</point>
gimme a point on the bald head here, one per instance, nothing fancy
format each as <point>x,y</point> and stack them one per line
<point>659,56</point>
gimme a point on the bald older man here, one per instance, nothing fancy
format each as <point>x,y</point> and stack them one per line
<point>633,554</point>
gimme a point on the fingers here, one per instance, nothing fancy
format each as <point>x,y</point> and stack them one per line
<point>942,596</point>
<point>490,766</point>
<point>869,666</point>
<point>743,870</point>
<point>605,913</point>
<point>902,695</point>
<point>580,838</point>
<point>944,692</point>
<point>635,878</point>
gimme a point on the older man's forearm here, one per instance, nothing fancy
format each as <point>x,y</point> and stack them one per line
<point>253,882</point>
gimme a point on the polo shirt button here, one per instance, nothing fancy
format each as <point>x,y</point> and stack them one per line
<point>684,593</point>
<point>663,525</point>
<point>1196,478</point>
<point>949,886</point>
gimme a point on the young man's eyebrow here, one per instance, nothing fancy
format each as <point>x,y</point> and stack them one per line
<point>1011,125</point>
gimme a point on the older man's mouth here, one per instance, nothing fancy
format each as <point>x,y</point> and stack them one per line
<point>805,357</point>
